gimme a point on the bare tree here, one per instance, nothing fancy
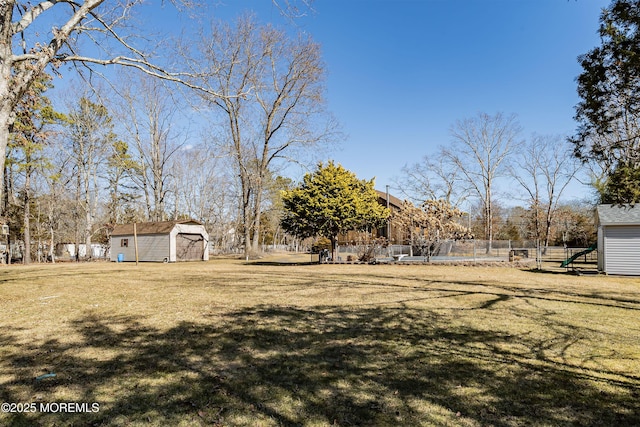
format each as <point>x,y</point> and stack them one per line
<point>90,137</point>
<point>281,114</point>
<point>544,167</point>
<point>199,187</point>
<point>294,8</point>
<point>149,115</point>
<point>435,177</point>
<point>99,26</point>
<point>55,198</point>
<point>479,147</point>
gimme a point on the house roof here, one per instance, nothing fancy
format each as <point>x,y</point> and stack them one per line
<point>618,215</point>
<point>160,227</point>
<point>393,201</point>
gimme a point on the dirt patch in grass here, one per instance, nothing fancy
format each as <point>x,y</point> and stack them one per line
<point>234,343</point>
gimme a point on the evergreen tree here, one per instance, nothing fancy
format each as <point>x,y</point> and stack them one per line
<point>331,201</point>
<point>609,112</point>
<point>622,186</point>
<point>30,131</point>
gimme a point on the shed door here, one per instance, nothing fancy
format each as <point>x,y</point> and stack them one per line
<point>622,250</point>
<point>189,247</point>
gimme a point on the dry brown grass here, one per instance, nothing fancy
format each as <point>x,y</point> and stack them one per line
<point>226,343</point>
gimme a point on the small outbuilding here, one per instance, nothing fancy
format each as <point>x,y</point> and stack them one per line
<point>618,239</point>
<point>164,241</point>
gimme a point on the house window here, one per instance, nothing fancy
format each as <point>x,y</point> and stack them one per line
<point>124,243</point>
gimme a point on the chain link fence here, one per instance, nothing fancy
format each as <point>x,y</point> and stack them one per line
<point>461,250</point>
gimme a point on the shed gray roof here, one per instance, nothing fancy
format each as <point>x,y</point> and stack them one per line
<point>618,215</point>
<point>161,227</point>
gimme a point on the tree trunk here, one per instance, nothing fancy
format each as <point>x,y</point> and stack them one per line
<point>7,103</point>
<point>5,123</point>
<point>26,259</point>
<point>52,251</point>
<point>158,184</point>
<point>88,225</point>
<point>247,240</point>
<point>334,241</point>
<point>488,223</point>
<point>88,230</point>
<point>246,220</point>
<point>547,233</point>
<point>147,200</point>
<point>4,192</point>
<point>78,217</point>
<point>257,214</point>
<point>88,212</point>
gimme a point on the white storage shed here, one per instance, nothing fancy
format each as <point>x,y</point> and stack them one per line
<point>164,241</point>
<point>619,239</point>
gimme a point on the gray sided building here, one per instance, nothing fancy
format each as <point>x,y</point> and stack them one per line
<point>618,239</point>
<point>164,241</point>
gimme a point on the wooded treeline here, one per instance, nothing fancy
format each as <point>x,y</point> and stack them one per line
<point>142,147</point>
<point>106,160</point>
<point>119,154</point>
<point>209,128</point>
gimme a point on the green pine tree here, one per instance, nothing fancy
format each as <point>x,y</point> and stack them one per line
<point>30,133</point>
<point>331,201</point>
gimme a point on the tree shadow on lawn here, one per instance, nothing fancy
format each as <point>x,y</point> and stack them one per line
<point>282,263</point>
<point>289,366</point>
<point>627,301</point>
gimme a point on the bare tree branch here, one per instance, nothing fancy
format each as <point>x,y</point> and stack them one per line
<point>282,83</point>
<point>31,14</point>
<point>479,149</point>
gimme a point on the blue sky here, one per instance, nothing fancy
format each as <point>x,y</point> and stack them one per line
<point>400,73</point>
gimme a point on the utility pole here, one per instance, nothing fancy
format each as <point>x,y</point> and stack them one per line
<point>388,222</point>
<point>388,225</point>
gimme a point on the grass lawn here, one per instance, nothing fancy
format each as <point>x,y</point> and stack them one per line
<point>229,343</point>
